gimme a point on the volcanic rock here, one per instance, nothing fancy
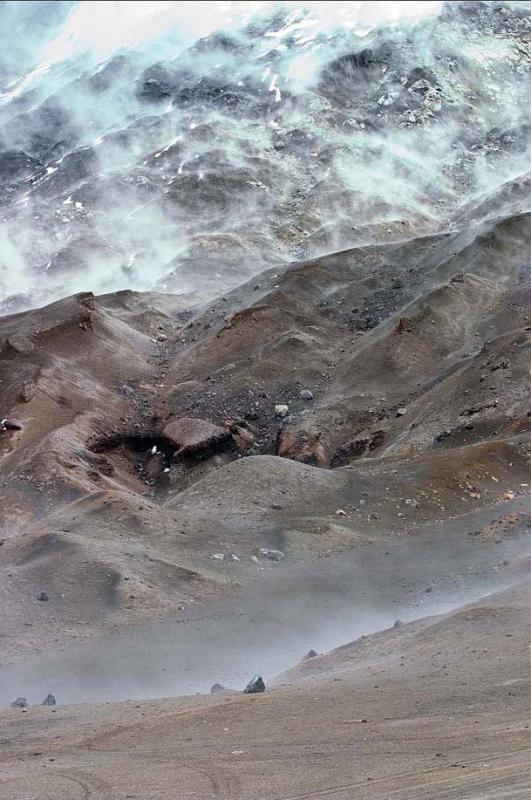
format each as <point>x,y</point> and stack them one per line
<point>20,702</point>
<point>49,700</point>
<point>255,685</point>
<point>192,437</point>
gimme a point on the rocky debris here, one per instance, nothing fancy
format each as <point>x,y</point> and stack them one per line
<point>255,685</point>
<point>365,442</point>
<point>271,555</point>
<point>281,410</point>
<point>469,412</point>
<point>217,688</point>
<point>301,445</point>
<point>43,597</point>
<point>243,437</point>
<point>20,702</point>
<point>306,394</point>
<point>49,700</point>
<point>195,437</point>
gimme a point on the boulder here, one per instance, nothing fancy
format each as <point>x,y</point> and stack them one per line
<point>49,700</point>
<point>255,685</point>
<point>20,702</point>
<point>193,437</point>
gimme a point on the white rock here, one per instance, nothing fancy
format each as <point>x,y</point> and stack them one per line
<point>281,410</point>
<point>272,555</point>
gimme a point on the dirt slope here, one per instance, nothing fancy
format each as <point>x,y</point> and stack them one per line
<point>414,361</point>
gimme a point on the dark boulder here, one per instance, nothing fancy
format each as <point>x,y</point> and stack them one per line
<point>255,685</point>
<point>49,700</point>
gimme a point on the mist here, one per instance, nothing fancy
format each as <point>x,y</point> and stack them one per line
<point>146,147</point>
<point>269,627</point>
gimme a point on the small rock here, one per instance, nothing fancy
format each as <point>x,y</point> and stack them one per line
<point>398,623</point>
<point>306,394</point>
<point>217,688</point>
<point>255,685</point>
<point>508,496</point>
<point>49,700</point>
<point>20,702</point>
<point>310,654</point>
<point>341,513</point>
<point>218,556</point>
<point>126,390</point>
<point>43,597</point>
<point>161,337</point>
<point>272,555</point>
<point>410,501</point>
<point>401,411</point>
<point>281,410</point>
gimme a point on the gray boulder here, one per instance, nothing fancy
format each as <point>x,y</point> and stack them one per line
<point>20,702</point>
<point>49,700</point>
